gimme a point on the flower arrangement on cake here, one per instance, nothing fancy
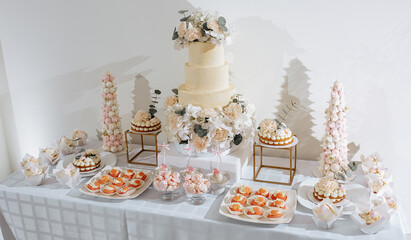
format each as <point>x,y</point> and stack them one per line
<point>111,121</point>
<point>209,128</point>
<point>202,26</point>
<point>334,160</point>
<point>146,121</point>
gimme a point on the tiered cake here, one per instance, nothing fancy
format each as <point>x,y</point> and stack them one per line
<point>206,77</point>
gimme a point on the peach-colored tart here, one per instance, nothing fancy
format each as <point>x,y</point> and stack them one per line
<point>258,201</point>
<point>239,199</point>
<point>279,203</point>
<point>93,186</point>
<point>129,174</point>
<point>109,189</point>
<point>244,190</point>
<point>124,190</point>
<point>279,194</point>
<point>104,179</point>
<point>254,211</point>
<point>236,207</point>
<point>118,182</point>
<point>141,176</point>
<point>136,183</point>
<point>114,172</point>
<point>274,213</point>
<point>262,192</point>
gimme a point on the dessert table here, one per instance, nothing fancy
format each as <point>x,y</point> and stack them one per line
<point>51,211</point>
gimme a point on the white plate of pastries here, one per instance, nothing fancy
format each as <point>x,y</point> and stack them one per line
<point>258,204</point>
<point>118,183</point>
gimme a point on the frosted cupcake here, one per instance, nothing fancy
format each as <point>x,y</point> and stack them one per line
<point>79,137</point>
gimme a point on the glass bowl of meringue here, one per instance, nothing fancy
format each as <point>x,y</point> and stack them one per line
<point>166,181</point>
<point>196,185</point>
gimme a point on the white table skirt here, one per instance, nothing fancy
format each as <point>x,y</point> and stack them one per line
<point>51,211</point>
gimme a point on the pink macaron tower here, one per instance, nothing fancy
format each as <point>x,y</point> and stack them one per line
<point>334,161</point>
<point>111,121</point>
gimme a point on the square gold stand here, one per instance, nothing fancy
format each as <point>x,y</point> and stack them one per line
<point>154,134</point>
<point>292,168</point>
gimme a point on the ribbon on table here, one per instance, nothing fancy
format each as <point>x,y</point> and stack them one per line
<point>218,156</point>
<point>163,148</point>
<point>187,152</point>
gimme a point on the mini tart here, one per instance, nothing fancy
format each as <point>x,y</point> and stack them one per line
<point>254,212</point>
<point>135,183</point>
<point>273,138</point>
<point>262,192</point>
<point>278,203</point>
<point>235,208</point>
<point>239,199</point>
<point>104,179</point>
<point>146,126</point>
<point>274,213</point>
<point>258,201</point>
<point>125,190</point>
<point>244,190</point>
<point>369,216</point>
<point>108,190</point>
<point>129,174</point>
<point>114,172</point>
<point>93,186</point>
<point>118,182</point>
<point>279,194</point>
<point>141,176</point>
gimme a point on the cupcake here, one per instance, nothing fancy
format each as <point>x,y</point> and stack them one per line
<point>79,137</point>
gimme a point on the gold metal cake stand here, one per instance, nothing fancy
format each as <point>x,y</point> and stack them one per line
<point>292,148</point>
<point>142,134</point>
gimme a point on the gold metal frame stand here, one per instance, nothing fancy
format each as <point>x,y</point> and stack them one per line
<point>154,134</point>
<point>291,168</point>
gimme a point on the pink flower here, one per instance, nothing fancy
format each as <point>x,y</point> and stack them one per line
<point>220,135</point>
<point>109,96</point>
<point>189,169</point>
<point>163,167</point>
<point>192,34</point>
<point>108,121</point>
<point>200,143</point>
<point>109,143</point>
<point>216,171</point>
<point>106,138</point>
<point>112,77</point>
<point>331,124</point>
<point>233,111</point>
<point>105,78</point>
<point>103,95</point>
<point>116,143</point>
<point>119,137</point>
<point>181,29</point>
<point>142,116</point>
<point>213,25</point>
<point>112,138</point>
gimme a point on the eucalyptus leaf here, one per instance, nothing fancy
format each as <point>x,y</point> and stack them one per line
<point>237,139</point>
<point>224,28</point>
<point>182,11</point>
<point>282,125</point>
<point>82,150</point>
<point>205,26</point>
<point>183,142</point>
<point>158,92</point>
<point>202,132</point>
<point>154,101</point>
<point>276,121</point>
<point>152,111</point>
<point>175,91</point>
<point>152,106</point>
<point>353,166</point>
<point>222,21</point>
<point>175,34</point>
<point>235,100</point>
<point>184,19</point>
<point>197,128</point>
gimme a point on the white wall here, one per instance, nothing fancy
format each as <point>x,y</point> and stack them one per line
<point>55,51</point>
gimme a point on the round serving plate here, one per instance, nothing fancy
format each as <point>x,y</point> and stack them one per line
<point>295,141</point>
<point>316,173</point>
<point>107,159</point>
<point>356,193</point>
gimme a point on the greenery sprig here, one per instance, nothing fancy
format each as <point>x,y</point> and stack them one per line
<point>154,99</point>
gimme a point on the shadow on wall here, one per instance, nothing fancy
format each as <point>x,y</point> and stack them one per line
<point>296,88</point>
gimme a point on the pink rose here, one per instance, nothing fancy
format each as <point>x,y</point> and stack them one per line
<point>105,115</point>
<point>119,137</point>
<point>192,34</point>
<point>114,95</point>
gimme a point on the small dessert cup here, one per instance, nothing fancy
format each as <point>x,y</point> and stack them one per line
<point>257,200</point>
<point>373,227</point>
<point>326,213</point>
<point>218,188</point>
<point>274,213</point>
<point>235,209</point>
<point>135,183</point>
<point>254,212</point>
<point>107,190</point>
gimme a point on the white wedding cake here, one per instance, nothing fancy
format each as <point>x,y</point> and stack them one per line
<point>206,77</point>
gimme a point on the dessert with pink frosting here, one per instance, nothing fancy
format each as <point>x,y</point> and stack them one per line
<point>329,188</point>
<point>166,180</point>
<point>144,122</point>
<point>111,122</point>
<point>334,160</point>
<point>370,216</point>
<point>274,133</point>
<point>195,183</point>
<point>80,137</point>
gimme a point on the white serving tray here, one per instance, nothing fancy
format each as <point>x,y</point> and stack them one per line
<point>137,192</point>
<point>291,204</point>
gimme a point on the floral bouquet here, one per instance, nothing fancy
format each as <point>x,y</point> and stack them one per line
<point>210,128</point>
<point>202,26</point>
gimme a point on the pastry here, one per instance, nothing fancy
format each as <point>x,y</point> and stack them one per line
<point>236,208</point>
<point>262,192</point>
<point>369,216</point>
<point>109,189</point>
<point>87,161</point>
<point>114,172</point>
<point>279,194</point>
<point>165,180</point>
<point>272,133</point>
<point>258,201</point>
<point>254,210</point>
<point>274,213</point>
<point>124,190</point>
<point>118,182</point>
<point>129,174</point>
<point>141,176</point>
<point>195,183</point>
<point>80,137</point>
<point>93,186</point>
<point>217,177</point>
<point>51,154</point>
<point>136,183</point>
<point>279,203</point>
<point>329,188</point>
<point>104,179</point>
<point>67,141</point>
<point>144,122</point>
<point>239,199</point>
<point>244,190</point>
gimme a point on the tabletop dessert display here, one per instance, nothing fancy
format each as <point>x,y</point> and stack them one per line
<point>329,188</point>
<point>205,111</point>
<point>259,204</point>
<point>50,155</point>
<point>118,183</point>
<point>68,176</point>
<point>65,145</point>
<point>334,160</point>
<point>79,137</point>
<point>111,122</point>
<point>34,169</point>
<point>275,133</point>
<point>326,213</point>
<point>146,121</point>
<point>87,160</point>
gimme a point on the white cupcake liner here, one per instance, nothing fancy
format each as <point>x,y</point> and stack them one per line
<point>253,216</point>
<point>36,180</point>
<point>282,211</point>
<point>251,190</point>
<point>108,194</point>
<point>328,219</point>
<point>250,199</point>
<point>374,227</point>
<point>234,212</point>
<point>129,184</point>
<point>64,179</point>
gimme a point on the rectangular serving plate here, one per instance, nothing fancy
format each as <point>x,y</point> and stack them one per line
<point>139,191</point>
<point>291,204</point>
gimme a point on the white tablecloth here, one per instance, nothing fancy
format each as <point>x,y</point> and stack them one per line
<point>51,211</point>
